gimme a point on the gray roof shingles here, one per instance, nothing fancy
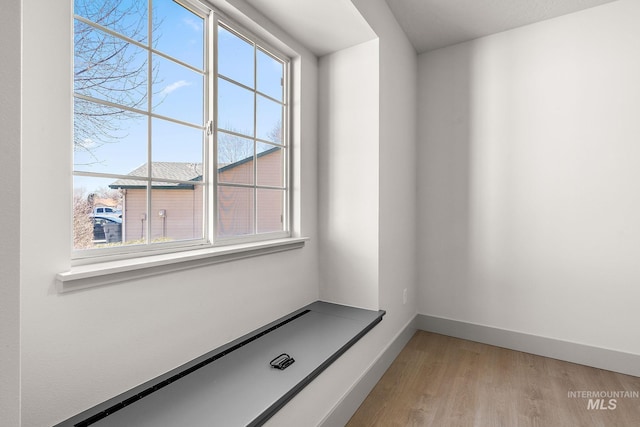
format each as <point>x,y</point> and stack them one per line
<point>178,171</point>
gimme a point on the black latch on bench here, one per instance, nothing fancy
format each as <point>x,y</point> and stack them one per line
<point>282,361</point>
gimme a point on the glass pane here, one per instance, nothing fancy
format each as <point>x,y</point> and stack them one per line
<point>270,210</point>
<point>269,120</point>
<point>177,151</point>
<point>270,75</point>
<point>235,211</point>
<point>125,17</point>
<point>235,108</point>
<point>98,213</point>
<point>235,57</point>
<point>107,139</point>
<point>178,92</point>
<point>176,212</point>
<point>109,68</point>
<point>235,159</point>
<point>178,32</point>
<point>270,165</point>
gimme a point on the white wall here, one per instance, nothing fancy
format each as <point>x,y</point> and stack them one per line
<point>397,165</point>
<point>368,191</point>
<point>348,157</point>
<point>81,348</point>
<point>10,114</point>
<point>528,175</point>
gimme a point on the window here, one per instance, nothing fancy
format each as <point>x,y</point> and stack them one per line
<point>180,129</point>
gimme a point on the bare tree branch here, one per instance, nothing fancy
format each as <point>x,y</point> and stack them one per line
<point>109,68</point>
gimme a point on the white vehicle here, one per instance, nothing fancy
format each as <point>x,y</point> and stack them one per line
<point>107,211</point>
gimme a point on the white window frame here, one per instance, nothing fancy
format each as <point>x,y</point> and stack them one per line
<point>212,18</point>
<point>238,30</point>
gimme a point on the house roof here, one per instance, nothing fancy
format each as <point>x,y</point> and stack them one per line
<point>178,171</point>
<point>246,160</point>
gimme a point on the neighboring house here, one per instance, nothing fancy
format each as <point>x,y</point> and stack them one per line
<point>177,212</point>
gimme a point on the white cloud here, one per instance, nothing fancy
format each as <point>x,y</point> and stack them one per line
<point>174,86</point>
<point>195,26</point>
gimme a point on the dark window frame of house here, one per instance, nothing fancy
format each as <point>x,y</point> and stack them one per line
<point>209,174</point>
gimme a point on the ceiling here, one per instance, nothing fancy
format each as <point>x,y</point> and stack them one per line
<point>326,26</point>
<point>432,24</point>
<point>323,26</point>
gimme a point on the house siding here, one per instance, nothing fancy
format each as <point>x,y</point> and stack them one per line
<point>182,214</point>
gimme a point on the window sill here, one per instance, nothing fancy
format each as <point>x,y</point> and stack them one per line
<point>87,276</point>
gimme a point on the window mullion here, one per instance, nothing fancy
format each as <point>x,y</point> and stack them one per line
<point>149,119</point>
<point>213,175</point>
<point>209,154</point>
<point>286,123</point>
<point>255,140</point>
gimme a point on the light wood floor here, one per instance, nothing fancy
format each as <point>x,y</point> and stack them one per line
<point>443,381</point>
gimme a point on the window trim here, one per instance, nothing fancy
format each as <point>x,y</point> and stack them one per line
<point>176,252</point>
<point>122,270</point>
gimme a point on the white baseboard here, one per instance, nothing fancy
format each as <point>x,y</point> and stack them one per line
<point>611,360</point>
<point>352,399</point>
